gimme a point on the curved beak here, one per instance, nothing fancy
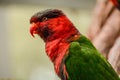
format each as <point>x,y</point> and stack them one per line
<point>33,28</point>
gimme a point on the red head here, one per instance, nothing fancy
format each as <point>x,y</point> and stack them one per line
<point>51,24</point>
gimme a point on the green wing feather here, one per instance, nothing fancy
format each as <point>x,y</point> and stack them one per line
<point>84,62</point>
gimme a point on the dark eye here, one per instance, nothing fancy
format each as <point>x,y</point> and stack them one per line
<point>44,19</point>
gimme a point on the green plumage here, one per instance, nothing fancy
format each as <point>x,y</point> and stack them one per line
<point>84,62</point>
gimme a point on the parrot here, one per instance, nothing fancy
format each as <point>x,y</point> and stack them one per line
<point>116,3</point>
<point>73,55</point>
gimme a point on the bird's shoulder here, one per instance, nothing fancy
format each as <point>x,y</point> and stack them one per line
<point>86,63</point>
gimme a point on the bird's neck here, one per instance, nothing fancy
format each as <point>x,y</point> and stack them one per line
<point>59,43</point>
<point>58,49</point>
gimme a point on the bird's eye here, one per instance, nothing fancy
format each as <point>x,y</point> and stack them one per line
<point>44,19</point>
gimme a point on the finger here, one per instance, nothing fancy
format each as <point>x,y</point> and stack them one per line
<point>101,12</point>
<point>105,39</point>
<point>114,55</point>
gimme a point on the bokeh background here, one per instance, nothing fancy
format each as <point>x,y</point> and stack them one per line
<point>23,57</point>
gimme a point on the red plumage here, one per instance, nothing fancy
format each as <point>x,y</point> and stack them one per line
<point>116,3</point>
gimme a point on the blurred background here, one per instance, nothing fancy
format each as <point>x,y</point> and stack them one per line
<point>23,57</point>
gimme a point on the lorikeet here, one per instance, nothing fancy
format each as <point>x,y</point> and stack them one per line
<point>73,55</point>
<point>116,3</point>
